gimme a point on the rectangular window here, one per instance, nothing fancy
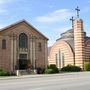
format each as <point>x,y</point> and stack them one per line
<point>3,44</point>
<point>23,56</point>
<point>39,46</point>
<point>56,60</point>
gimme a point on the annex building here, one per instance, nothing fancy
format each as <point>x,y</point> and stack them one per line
<point>73,47</point>
<point>22,47</point>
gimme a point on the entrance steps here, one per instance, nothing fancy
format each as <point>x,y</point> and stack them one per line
<point>27,72</point>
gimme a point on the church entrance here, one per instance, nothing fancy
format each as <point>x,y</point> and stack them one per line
<point>23,62</point>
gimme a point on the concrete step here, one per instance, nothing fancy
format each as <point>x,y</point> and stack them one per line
<point>26,72</point>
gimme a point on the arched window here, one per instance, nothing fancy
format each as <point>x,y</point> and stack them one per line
<point>3,44</point>
<point>23,40</point>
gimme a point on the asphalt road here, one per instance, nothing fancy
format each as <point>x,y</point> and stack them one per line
<point>76,81</point>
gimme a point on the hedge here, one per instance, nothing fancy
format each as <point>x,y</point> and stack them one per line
<point>87,66</point>
<point>51,69</point>
<point>4,73</point>
<point>71,68</point>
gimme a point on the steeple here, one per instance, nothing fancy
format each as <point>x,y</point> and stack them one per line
<point>79,40</point>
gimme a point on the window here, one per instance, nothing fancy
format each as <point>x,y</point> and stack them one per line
<point>23,56</point>
<point>56,56</point>
<point>63,59</point>
<point>23,40</point>
<point>39,46</point>
<point>3,44</point>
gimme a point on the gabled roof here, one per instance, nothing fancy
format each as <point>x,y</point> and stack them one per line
<point>21,21</point>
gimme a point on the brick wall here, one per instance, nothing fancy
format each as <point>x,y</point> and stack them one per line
<point>65,49</point>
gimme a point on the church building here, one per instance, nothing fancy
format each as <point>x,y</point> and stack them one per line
<point>22,47</point>
<point>73,47</point>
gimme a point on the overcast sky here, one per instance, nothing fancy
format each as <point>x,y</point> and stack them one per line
<point>51,17</point>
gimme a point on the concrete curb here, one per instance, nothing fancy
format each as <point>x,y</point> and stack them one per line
<point>40,75</point>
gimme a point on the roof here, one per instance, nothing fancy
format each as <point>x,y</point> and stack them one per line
<point>68,36</point>
<point>21,21</point>
<point>71,43</point>
<point>68,31</point>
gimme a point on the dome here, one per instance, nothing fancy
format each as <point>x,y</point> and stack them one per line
<point>67,34</point>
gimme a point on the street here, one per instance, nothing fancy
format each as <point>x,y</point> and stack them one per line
<point>76,81</point>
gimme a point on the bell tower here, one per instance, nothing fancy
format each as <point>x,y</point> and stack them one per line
<point>79,40</point>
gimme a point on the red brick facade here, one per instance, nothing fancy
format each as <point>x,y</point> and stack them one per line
<point>64,48</point>
<point>9,57</point>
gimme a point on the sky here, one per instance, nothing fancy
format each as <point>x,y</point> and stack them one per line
<point>50,17</point>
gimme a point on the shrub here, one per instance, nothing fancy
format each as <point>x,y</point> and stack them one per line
<point>4,73</point>
<point>87,66</point>
<point>48,71</point>
<point>52,69</point>
<point>1,70</point>
<point>71,68</point>
<point>40,70</point>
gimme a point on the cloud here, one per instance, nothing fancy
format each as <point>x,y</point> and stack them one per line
<point>62,29</point>
<point>56,16</point>
<point>2,25</point>
<point>2,10</point>
<point>3,4</point>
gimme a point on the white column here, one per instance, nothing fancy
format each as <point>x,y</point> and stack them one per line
<point>11,53</point>
<point>31,50</point>
<point>15,51</point>
<point>46,54</point>
<point>34,53</point>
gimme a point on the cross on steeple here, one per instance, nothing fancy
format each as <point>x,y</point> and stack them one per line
<point>77,9</point>
<point>72,19</point>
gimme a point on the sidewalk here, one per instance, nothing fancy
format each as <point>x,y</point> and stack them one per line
<point>40,75</point>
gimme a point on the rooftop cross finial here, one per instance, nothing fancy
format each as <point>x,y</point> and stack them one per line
<point>77,9</point>
<point>72,19</point>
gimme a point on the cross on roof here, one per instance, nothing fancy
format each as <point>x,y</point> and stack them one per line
<point>72,19</point>
<point>77,9</point>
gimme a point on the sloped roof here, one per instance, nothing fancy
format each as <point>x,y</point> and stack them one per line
<point>21,21</point>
